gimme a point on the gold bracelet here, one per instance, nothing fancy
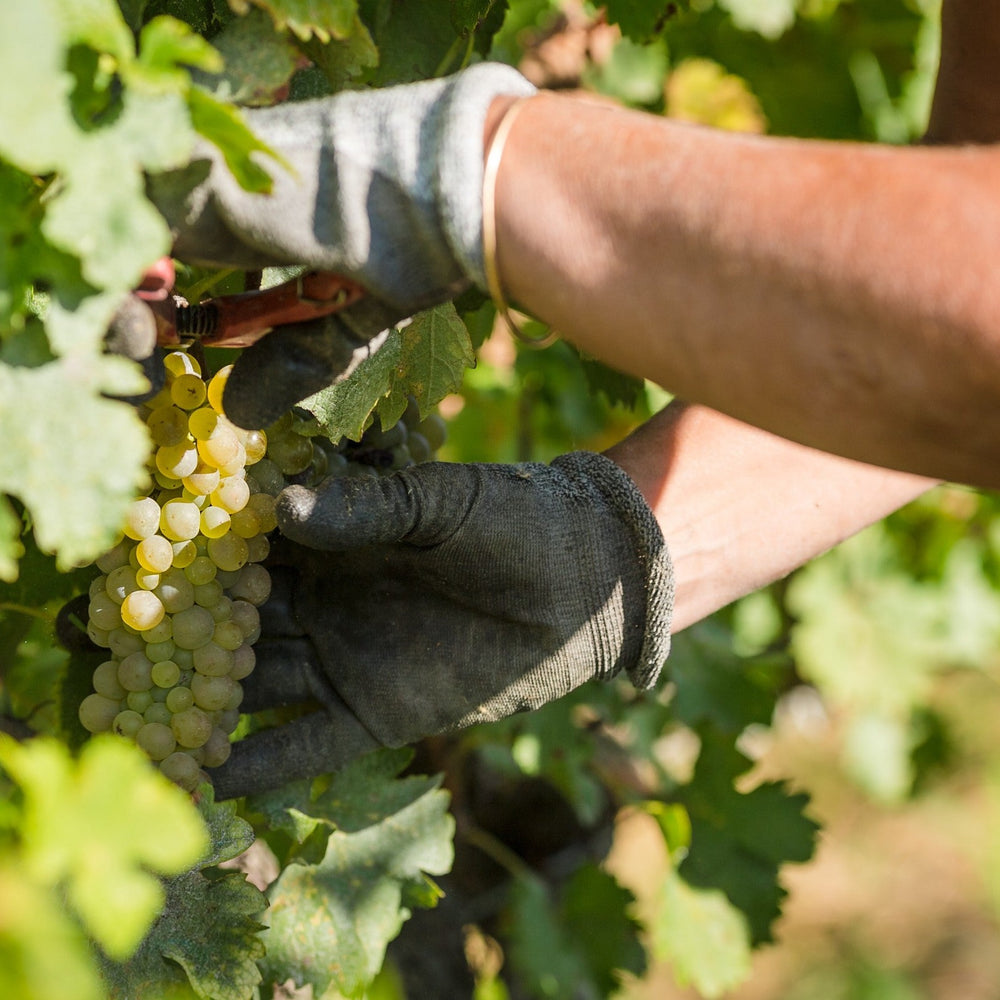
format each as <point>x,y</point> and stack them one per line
<point>490,171</point>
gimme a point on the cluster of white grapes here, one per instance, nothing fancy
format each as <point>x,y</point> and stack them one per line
<point>176,600</point>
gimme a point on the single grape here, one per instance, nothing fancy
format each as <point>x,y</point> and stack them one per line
<point>156,739</point>
<point>193,627</point>
<point>114,557</point>
<point>217,386</point>
<point>215,522</point>
<point>158,711</point>
<point>142,609</point>
<point>178,363</point>
<point>154,554</point>
<point>217,748</point>
<point>211,660</point>
<point>105,681</point>
<point>168,426</point>
<point>201,571</point>
<point>135,672</point>
<point>253,585</point>
<point>182,769</point>
<point>188,392</point>
<point>165,673</point>
<point>192,727</point>
<point>97,713</point>
<point>139,701</point>
<point>142,518</point>
<point>179,699</point>
<point>229,552</point>
<point>244,660</point>
<point>128,723</point>
<point>211,693</point>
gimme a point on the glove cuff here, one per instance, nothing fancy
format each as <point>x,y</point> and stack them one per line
<point>459,180</point>
<point>621,493</point>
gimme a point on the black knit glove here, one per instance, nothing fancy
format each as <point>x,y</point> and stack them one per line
<point>447,595</point>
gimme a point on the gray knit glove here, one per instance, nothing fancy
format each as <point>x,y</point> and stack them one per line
<point>385,188</point>
<point>448,595</point>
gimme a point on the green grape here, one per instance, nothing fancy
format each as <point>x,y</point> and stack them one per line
<point>180,520</point>
<point>139,701</point>
<point>165,673</point>
<point>104,612</point>
<point>168,426</point>
<point>135,672</point>
<point>114,557</point>
<point>175,590</point>
<point>267,477</point>
<point>192,727</point>
<point>179,699</point>
<point>105,681</point>
<point>182,769</point>
<point>97,713</point>
<point>292,453</point>
<point>128,723</point>
<point>193,627</point>
<point>161,632</point>
<point>222,611</point>
<point>214,522</point>
<point>212,660</point>
<point>121,643</point>
<point>142,609</point>
<point>156,739</point>
<point>253,585</point>
<point>244,660</point>
<point>246,618</point>
<point>208,594</point>
<point>229,552</point>
<point>188,391</point>
<point>211,693</point>
<point>217,748</point>
<point>228,635</point>
<point>158,712</point>
<point>142,518</point>
<point>155,554</point>
<point>201,571</point>
<point>434,431</point>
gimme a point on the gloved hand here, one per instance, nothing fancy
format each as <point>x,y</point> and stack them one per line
<point>385,187</point>
<point>447,595</point>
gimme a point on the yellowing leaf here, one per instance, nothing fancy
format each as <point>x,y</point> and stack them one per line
<point>98,826</point>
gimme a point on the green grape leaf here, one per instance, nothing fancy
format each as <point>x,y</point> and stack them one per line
<point>76,481</point>
<point>739,839</point>
<point>167,47</point>
<point>228,834</point>
<point>434,354</point>
<point>576,942</point>
<point>209,923</point>
<point>342,60</point>
<point>222,125</point>
<point>717,686</point>
<point>598,913</point>
<point>640,19</point>
<point>331,922</point>
<point>467,15</point>
<point>343,410</point>
<point>867,633</point>
<point>770,18</point>
<point>324,19</point>
<point>415,39</point>
<point>426,359</point>
<point>619,389</point>
<point>97,23</point>
<point>258,62</point>
<point>209,930</point>
<point>98,826</point>
<point>702,935</point>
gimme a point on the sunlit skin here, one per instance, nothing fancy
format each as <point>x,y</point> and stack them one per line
<point>842,296</point>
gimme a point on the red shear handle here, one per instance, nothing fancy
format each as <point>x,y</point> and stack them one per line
<point>241,320</point>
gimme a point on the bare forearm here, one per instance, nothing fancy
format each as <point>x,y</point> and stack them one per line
<point>740,508</point>
<point>842,296</point>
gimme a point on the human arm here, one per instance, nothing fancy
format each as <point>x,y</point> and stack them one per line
<point>837,294</point>
<point>740,508</point>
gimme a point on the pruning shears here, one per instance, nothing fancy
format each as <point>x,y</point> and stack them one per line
<point>241,320</point>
